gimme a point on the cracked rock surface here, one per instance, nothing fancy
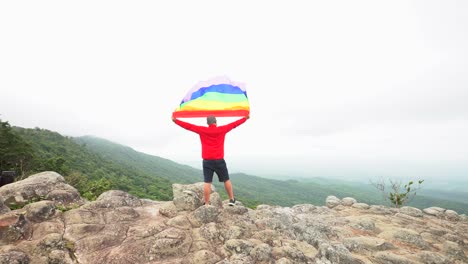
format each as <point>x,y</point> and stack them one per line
<point>120,228</point>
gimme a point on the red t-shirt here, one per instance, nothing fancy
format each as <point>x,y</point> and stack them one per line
<point>211,137</point>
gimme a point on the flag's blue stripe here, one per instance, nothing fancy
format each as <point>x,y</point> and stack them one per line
<point>220,88</point>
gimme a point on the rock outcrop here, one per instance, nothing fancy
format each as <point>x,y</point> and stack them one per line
<point>120,228</point>
<point>42,186</point>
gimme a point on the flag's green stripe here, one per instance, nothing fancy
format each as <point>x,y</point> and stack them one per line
<point>219,97</point>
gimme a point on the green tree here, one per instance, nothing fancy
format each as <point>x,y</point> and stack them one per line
<point>77,180</point>
<point>96,188</point>
<point>15,153</point>
<point>56,164</point>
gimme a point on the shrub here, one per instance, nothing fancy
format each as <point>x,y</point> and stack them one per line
<point>398,195</point>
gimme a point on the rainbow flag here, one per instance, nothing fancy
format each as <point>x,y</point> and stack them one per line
<point>220,97</point>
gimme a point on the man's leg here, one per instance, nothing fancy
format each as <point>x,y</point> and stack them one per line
<point>207,191</point>
<point>223,175</point>
<point>228,187</point>
<point>208,172</point>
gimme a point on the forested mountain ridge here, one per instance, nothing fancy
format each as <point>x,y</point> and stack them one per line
<point>88,171</point>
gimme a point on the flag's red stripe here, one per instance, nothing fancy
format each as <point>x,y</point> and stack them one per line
<point>217,113</point>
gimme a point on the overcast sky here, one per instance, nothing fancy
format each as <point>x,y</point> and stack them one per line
<point>337,88</point>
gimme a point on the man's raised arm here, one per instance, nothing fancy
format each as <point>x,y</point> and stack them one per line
<point>235,124</point>
<point>186,125</point>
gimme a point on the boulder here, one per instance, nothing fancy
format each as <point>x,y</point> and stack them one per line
<point>312,232</point>
<point>45,228</point>
<point>211,232</point>
<point>3,207</point>
<point>238,210</point>
<point>54,248</point>
<point>63,196</point>
<point>390,258</point>
<point>452,215</point>
<point>435,211</point>
<point>366,244</point>
<point>38,187</point>
<point>437,231</point>
<point>411,211</point>
<point>215,200</point>
<point>464,217</point>
<point>455,237</point>
<point>365,224</point>
<point>304,208</point>
<point>407,219</point>
<point>239,246</point>
<point>168,209</point>
<point>171,242</point>
<point>332,201</point>
<point>337,253</point>
<point>14,257</point>
<point>269,223</point>
<point>291,253</point>
<point>454,251</point>
<point>206,214</point>
<point>261,253</point>
<point>428,257</point>
<point>180,222</point>
<point>305,248</point>
<point>284,261</point>
<point>380,209</point>
<point>268,236</point>
<point>234,232</point>
<point>407,236</point>
<point>14,227</point>
<point>348,201</point>
<point>239,259</point>
<point>361,206</point>
<point>114,199</point>
<point>188,197</point>
<point>205,257</point>
<point>40,211</point>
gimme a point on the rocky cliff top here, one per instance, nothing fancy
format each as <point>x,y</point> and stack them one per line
<point>57,226</point>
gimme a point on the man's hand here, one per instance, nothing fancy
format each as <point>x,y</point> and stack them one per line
<point>173,119</point>
<point>248,116</point>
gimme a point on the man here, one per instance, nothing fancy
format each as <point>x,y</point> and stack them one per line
<point>212,140</point>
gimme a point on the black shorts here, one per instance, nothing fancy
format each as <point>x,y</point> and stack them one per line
<point>218,166</point>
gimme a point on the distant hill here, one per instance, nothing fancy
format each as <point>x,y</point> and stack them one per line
<point>94,165</point>
<point>167,169</point>
<point>90,172</point>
